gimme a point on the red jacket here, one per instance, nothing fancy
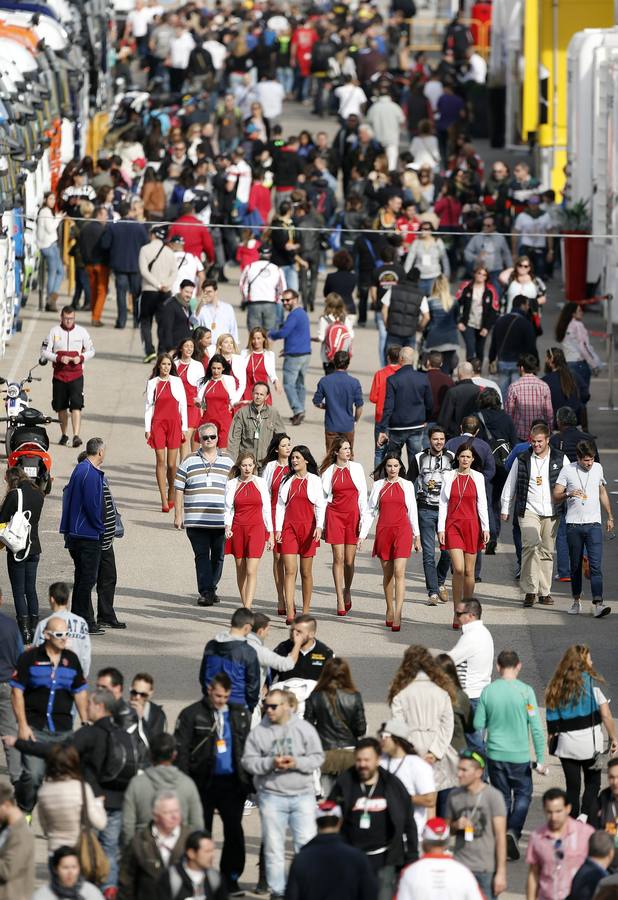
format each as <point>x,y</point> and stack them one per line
<point>260,199</point>
<point>196,237</point>
<point>377,394</point>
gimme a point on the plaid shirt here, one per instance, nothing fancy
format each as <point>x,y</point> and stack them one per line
<point>528,399</point>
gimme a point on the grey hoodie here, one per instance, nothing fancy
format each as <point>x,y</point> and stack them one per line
<point>268,659</point>
<point>144,787</point>
<point>296,738</point>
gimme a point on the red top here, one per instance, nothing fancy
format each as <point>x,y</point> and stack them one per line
<point>377,394</point>
<point>196,236</point>
<point>260,199</point>
<point>247,255</point>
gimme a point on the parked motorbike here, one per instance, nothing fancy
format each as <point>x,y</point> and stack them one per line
<point>16,399</point>
<point>28,446</point>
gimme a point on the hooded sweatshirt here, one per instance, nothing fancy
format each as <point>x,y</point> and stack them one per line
<point>234,656</point>
<point>295,738</point>
<point>144,787</point>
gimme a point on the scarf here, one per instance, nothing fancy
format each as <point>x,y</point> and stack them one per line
<point>62,892</point>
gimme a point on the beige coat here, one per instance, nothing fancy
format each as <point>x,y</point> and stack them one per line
<point>428,712</point>
<point>17,863</point>
<point>60,805</point>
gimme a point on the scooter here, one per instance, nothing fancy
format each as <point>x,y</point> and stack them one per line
<point>28,446</point>
<point>16,399</point>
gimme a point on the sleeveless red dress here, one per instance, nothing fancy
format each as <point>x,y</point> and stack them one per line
<point>218,410</point>
<point>256,371</point>
<point>278,473</point>
<point>393,538</point>
<point>342,514</point>
<point>299,522</point>
<point>166,427</point>
<point>249,534</point>
<point>193,412</point>
<point>463,528</point>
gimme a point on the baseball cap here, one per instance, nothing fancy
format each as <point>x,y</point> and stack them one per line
<point>436,830</point>
<point>396,728</point>
<point>159,231</point>
<point>327,809</point>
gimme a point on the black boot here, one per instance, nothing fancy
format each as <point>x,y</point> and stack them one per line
<point>33,621</point>
<point>23,623</point>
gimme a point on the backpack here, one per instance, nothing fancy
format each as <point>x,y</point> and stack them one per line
<point>121,757</point>
<point>337,338</point>
<point>16,534</point>
<point>500,447</point>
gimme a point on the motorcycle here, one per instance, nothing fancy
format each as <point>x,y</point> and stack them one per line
<point>16,399</point>
<point>28,446</point>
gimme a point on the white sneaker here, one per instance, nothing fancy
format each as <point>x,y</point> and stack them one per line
<point>249,807</point>
<point>433,600</point>
<point>575,609</point>
<point>599,610</point>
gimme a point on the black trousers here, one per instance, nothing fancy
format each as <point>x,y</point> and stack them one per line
<point>151,304</point>
<point>106,585</point>
<point>227,796</point>
<point>573,769</point>
<point>86,556</point>
<point>209,550</point>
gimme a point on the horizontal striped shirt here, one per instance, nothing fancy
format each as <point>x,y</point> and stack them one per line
<point>203,484</point>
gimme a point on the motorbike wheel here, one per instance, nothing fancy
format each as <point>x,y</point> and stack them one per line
<point>7,440</point>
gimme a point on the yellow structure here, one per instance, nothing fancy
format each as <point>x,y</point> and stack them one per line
<point>549,25</point>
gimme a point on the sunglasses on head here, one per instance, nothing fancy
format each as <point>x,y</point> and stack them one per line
<point>472,754</point>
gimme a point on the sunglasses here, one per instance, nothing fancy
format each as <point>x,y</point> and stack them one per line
<point>472,754</point>
<point>58,634</point>
<point>523,266</point>
<point>558,851</point>
<point>271,705</point>
<point>143,694</point>
<point>208,437</point>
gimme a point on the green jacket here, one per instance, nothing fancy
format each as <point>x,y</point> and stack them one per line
<point>508,709</point>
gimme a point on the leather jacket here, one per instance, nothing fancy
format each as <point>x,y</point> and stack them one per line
<point>340,723</point>
<point>196,736</point>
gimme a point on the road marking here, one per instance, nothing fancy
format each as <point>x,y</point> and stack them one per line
<point>23,346</point>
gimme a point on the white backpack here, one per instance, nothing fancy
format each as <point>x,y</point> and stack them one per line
<point>16,535</point>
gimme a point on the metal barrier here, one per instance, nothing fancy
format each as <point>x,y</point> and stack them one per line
<point>428,34</point>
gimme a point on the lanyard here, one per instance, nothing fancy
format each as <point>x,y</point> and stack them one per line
<point>369,795</point>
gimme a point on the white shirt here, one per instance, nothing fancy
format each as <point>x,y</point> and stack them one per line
<point>488,383</point>
<point>166,843</point>
<point>539,498</point>
<point>180,50</point>
<point>139,19</point>
<point>271,95</point>
<point>433,90</point>
<point>188,268</point>
<point>241,171</point>
<point>438,878</point>
<point>477,69</point>
<point>527,226</point>
<point>416,775</point>
<point>581,744</point>
<point>574,478</point>
<point>473,654</point>
<point>262,282</point>
<point>218,53</point>
<point>352,98</point>
<point>221,319</point>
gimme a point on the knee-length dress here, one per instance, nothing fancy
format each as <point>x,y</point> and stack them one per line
<point>256,371</point>
<point>248,531</point>
<point>342,513</point>
<point>277,477</point>
<point>463,528</point>
<point>217,400</point>
<point>166,427</point>
<point>194,414</point>
<point>393,538</point>
<point>299,522</point>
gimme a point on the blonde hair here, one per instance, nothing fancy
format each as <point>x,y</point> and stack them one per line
<point>441,290</point>
<point>220,340</point>
<point>334,306</point>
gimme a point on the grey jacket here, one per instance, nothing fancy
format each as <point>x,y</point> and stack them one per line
<point>296,738</point>
<point>490,250</point>
<point>17,863</point>
<point>246,424</point>
<point>144,787</point>
<point>268,659</point>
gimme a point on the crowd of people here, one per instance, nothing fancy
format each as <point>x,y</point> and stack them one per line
<point>393,222</point>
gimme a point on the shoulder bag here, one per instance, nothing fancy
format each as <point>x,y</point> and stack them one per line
<point>92,859</point>
<point>500,447</point>
<point>16,535</point>
<point>598,757</point>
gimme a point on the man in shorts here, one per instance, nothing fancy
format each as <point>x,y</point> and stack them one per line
<point>68,346</point>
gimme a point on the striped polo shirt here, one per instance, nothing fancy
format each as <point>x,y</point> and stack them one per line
<point>203,485</point>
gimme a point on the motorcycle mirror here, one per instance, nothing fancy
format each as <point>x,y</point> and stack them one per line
<point>43,361</point>
<point>2,380</point>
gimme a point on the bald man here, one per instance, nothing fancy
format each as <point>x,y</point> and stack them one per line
<point>407,408</point>
<point>459,401</point>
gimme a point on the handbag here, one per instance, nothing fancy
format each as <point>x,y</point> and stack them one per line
<point>16,535</point>
<point>92,859</point>
<point>598,756</point>
<point>552,740</point>
<point>500,447</point>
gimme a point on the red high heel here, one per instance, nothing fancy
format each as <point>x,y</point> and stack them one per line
<point>342,612</point>
<point>347,601</point>
<point>170,504</point>
<point>281,611</point>
<point>164,507</point>
<point>396,628</point>
<point>388,624</point>
<point>456,624</point>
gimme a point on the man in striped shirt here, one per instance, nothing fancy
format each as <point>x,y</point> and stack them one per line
<point>200,488</point>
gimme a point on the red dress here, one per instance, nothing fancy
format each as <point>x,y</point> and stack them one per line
<point>249,534</point>
<point>463,528</point>
<point>256,371</point>
<point>342,514</point>
<point>393,532</point>
<point>299,521</point>
<point>193,412</point>
<point>278,473</point>
<point>166,426</point>
<point>218,410</point>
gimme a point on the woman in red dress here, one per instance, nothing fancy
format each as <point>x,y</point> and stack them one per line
<point>165,421</point>
<point>216,396</point>
<point>202,339</point>
<point>248,523</point>
<point>227,347</point>
<point>190,372</point>
<point>260,363</point>
<point>463,523</point>
<point>274,466</point>
<point>394,501</point>
<point>345,489</point>
<point>298,527</point>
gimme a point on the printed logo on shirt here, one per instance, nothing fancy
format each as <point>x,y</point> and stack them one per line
<point>373,805</point>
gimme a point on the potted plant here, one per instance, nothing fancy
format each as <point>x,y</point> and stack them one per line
<point>576,226</point>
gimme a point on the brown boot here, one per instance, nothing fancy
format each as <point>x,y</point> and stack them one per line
<point>529,599</point>
<point>52,300</point>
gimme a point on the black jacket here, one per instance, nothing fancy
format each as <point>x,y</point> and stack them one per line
<point>606,815</point>
<point>90,245</point>
<point>141,864</point>
<point>403,848</point>
<point>329,869</point>
<point>196,736</point>
<point>408,401</point>
<point>175,325</point>
<point>459,401</point>
<point>175,884</point>
<point>404,310</point>
<point>340,723</point>
<point>586,879</point>
<point>287,166</point>
<point>280,235</point>
<point>500,424</point>
<point>512,335</point>
<point>491,306</point>
<point>32,500</point>
<point>568,439</point>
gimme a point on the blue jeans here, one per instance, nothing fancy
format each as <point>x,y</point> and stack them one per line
<point>587,537</point>
<point>82,286</point>
<point>435,576</point>
<point>294,371</point>
<point>22,576</point>
<point>264,315</point>
<point>208,549</point>
<point>485,882</point>
<point>508,372</point>
<point>33,768</point>
<point>425,285</point>
<point>381,326</point>
<point>277,812</point>
<point>109,838</point>
<point>55,268</point>
<point>475,740</point>
<point>285,77</point>
<point>514,781</point>
<point>127,282</point>
<point>379,452</point>
<point>582,369</point>
<point>563,563</point>
<point>291,277</point>
<point>475,344</point>
<point>411,438</point>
